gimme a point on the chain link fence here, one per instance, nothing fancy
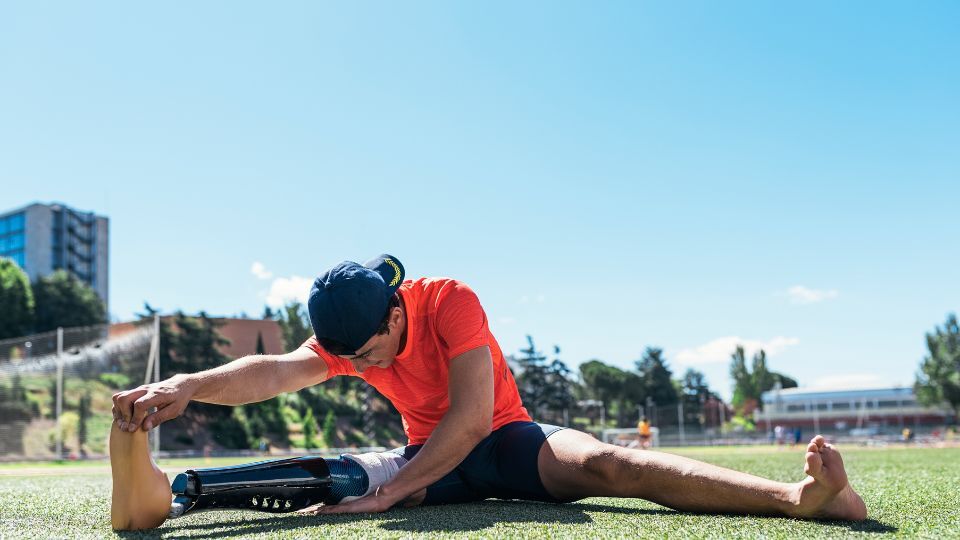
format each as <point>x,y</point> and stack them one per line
<point>56,389</point>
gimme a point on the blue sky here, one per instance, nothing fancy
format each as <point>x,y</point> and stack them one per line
<point>606,176</point>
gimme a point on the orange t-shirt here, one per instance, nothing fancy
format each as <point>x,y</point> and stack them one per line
<point>444,320</point>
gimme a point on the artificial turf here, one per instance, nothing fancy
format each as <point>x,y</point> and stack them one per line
<point>908,491</point>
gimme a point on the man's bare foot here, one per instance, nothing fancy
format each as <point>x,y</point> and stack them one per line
<point>825,493</point>
<point>141,491</point>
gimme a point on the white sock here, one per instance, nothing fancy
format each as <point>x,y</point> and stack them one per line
<point>380,468</point>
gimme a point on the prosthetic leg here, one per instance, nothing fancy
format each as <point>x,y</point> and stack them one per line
<point>282,485</point>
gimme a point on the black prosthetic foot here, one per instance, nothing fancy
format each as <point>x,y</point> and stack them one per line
<point>276,486</point>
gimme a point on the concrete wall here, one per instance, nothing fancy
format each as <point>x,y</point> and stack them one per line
<point>38,257</point>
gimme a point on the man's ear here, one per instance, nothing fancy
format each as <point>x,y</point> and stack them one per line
<point>395,315</point>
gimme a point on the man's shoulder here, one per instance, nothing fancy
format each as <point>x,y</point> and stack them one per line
<point>429,283</point>
<point>429,290</point>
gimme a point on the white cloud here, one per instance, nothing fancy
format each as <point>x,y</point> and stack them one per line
<point>285,289</point>
<point>538,299</point>
<point>801,295</point>
<point>849,380</point>
<point>259,270</point>
<point>506,320</point>
<point>720,349</point>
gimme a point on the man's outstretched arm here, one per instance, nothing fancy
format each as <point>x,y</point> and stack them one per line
<point>246,380</point>
<point>465,424</point>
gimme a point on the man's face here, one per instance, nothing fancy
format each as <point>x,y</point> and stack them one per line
<point>381,350</point>
<point>374,353</point>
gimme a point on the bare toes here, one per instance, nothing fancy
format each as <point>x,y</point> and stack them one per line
<point>812,447</point>
<point>819,440</point>
<point>813,464</point>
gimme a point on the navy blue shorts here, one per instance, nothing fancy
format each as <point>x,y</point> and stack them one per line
<point>502,466</point>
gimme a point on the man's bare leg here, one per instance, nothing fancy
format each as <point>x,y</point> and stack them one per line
<point>574,465</point>
<point>141,492</point>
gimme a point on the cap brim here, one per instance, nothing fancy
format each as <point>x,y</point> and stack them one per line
<point>390,269</point>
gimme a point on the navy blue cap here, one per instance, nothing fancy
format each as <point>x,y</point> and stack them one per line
<point>348,302</point>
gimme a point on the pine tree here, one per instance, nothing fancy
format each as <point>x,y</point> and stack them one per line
<point>938,379</point>
<point>309,430</point>
<point>260,348</point>
<point>559,391</point>
<point>532,380</point>
<point>749,386</point>
<point>84,416</point>
<point>329,429</point>
<point>656,377</point>
<point>294,325</point>
<point>742,380</point>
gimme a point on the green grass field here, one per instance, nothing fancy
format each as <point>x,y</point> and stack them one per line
<point>909,492</point>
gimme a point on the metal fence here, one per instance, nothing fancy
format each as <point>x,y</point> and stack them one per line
<point>56,388</point>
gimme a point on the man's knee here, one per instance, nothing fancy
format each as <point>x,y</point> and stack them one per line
<point>608,464</point>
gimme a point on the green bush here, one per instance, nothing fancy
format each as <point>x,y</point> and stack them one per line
<point>231,432</point>
<point>115,380</point>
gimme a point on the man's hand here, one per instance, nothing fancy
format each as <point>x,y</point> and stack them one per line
<point>170,397</point>
<point>371,504</point>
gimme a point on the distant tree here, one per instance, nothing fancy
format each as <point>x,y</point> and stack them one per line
<point>784,380</point>
<point>620,391</point>
<point>193,344</point>
<point>260,349</point>
<point>294,325</point>
<point>762,377</point>
<point>601,381</point>
<point>533,380</point>
<point>52,388</point>
<point>632,395</point>
<point>696,394</point>
<point>329,429</point>
<point>18,393</point>
<point>309,430</point>
<point>16,299</point>
<point>938,379</point>
<point>749,386</point>
<point>266,417</point>
<point>190,344</point>
<point>14,408</point>
<point>63,300</point>
<point>743,388</point>
<point>558,395</point>
<point>268,313</point>
<point>656,377</point>
<point>83,410</point>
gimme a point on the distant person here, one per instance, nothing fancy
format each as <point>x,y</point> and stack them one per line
<point>643,428</point>
<point>797,435</point>
<point>426,345</point>
<point>778,434</point>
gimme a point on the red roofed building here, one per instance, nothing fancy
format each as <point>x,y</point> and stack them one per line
<point>242,334</point>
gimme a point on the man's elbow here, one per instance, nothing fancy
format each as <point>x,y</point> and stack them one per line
<point>481,427</point>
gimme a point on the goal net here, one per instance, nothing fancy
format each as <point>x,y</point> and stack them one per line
<point>56,388</point>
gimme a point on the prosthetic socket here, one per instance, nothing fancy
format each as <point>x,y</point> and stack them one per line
<point>283,485</point>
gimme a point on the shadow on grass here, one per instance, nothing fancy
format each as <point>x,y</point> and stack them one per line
<point>445,518</point>
<point>867,526</point>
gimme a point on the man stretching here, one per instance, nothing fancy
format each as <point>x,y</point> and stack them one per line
<point>426,346</point>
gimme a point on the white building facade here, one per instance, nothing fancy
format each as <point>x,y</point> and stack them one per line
<point>870,410</point>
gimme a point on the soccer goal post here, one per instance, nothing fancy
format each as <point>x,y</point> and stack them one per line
<point>629,437</point>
